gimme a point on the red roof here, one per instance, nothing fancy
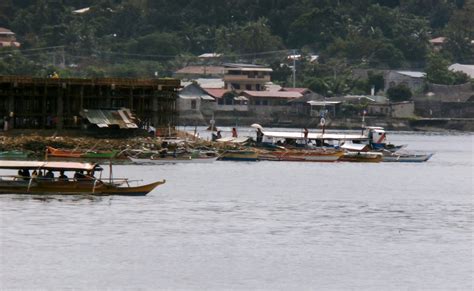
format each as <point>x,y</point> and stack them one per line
<point>438,40</point>
<point>299,90</point>
<point>4,30</point>
<point>216,93</point>
<point>272,94</point>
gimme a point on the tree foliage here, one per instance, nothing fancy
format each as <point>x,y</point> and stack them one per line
<point>358,33</point>
<point>399,93</point>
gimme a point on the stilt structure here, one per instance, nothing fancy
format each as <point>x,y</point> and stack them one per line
<point>27,102</point>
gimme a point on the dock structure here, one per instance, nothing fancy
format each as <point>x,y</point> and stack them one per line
<point>29,103</point>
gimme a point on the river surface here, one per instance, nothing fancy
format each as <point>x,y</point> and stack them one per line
<point>260,225</point>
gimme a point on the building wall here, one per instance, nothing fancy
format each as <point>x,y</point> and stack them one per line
<point>246,80</point>
<point>396,110</point>
<point>393,79</point>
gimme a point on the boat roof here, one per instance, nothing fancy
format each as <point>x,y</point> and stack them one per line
<point>300,135</point>
<point>54,166</point>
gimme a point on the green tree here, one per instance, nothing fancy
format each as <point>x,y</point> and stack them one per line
<point>399,93</point>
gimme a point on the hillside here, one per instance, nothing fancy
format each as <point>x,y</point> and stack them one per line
<point>146,38</point>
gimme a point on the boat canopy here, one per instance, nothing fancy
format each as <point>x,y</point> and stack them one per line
<point>320,136</point>
<point>54,166</point>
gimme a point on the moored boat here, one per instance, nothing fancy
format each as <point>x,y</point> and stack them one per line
<point>406,157</point>
<point>14,155</point>
<point>309,155</point>
<point>156,159</point>
<point>239,155</point>
<point>361,157</point>
<point>81,184</point>
<point>59,153</point>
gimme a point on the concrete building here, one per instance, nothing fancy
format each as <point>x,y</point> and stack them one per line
<point>195,72</point>
<point>411,79</point>
<point>404,109</point>
<point>241,77</point>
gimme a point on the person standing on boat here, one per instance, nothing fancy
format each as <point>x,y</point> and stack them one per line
<point>259,136</point>
<point>234,132</point>
<point>305,132</point>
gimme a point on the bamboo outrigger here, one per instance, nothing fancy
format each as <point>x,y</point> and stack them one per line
<point>81,184</point>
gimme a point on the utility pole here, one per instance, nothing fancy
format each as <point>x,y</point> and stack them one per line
<point>294,68</point>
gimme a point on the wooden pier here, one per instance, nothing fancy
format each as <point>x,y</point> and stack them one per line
<point>27,102</point>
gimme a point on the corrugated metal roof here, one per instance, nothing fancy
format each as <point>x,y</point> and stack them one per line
<point>272,94</point>
<point>217,93</point>
<point>104,118</point>
<point>412,74</point>
<point>467,69</point>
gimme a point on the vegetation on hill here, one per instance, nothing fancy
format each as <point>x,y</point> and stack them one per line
<point>147,38</point>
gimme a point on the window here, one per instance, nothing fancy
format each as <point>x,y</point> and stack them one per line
<point>248,87</point>
<point>235,86</point>
<point>257,102</point>
<point>193,104</point>
<point>265,102</point>
<point>257,87</point>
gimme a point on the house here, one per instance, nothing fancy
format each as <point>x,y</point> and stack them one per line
<point>194,72</point>
<point>467,69</point>
<point>8,39</point>
<point>192,97</point>
<point>268,102</point>
<point>438,43</point>
<point>412,79</point>
<point>228,100</point>
<point>241,77</point>
<point>403,109</point>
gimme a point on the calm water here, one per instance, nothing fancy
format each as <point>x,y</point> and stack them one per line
<point>261,225</point>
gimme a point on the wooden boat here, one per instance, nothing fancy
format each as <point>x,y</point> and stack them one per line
<point>316,155</point>
<point>157,160</point>
<point>406,157</point>
<point>374,138</point>
<point>361,157</point>
<point>14,155</point>
<point>81,184</point>
<point>239,155</point>
<point>58,153</point>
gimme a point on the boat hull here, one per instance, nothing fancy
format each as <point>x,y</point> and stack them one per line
<point>244,156</point>
<point>302,156</point>
<point>57,153</point>
<point>163,161</point>
<point>361,157</point>
<point>74,188</point>
<point>407,158</point>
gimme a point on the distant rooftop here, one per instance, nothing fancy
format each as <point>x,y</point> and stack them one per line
<point>215,83</point>
<point>467,69</point>
<point>438,40</point>
<point>82,10</point>
<point>216,93</point>
<point>299,90</point>
<point>272,94</point>
<point>6,31</point>
<point>209,55</point>
<point>201,70</point>
<point>412,74</point>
